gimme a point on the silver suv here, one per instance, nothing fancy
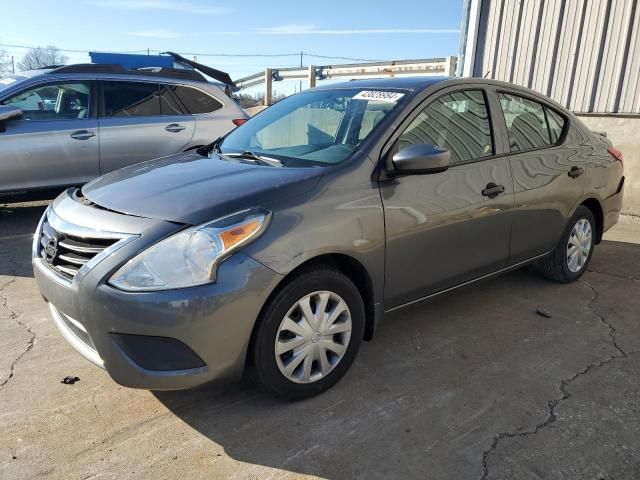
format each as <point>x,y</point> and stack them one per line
<point>64,126</point>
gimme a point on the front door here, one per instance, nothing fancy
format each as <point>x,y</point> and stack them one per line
<point>55,142</point>
<point>140,121</point>
<point>446,228</point>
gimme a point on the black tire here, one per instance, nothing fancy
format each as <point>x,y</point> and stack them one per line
<point>263,364</point>
<point>555,265</point>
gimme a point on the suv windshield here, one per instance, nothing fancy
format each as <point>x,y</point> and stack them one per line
<point>317,127</point>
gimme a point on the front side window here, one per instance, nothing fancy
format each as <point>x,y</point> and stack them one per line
<point>195,101</point>
<point>138,99</point>
<point>315,127</point>
<point>529,124</point>
<point>458,122</point>
<point>60,101</point>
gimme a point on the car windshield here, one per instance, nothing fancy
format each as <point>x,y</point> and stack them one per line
<point>318,127</point>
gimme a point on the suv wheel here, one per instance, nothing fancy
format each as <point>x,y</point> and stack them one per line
<point>570,258</point>
<point>309,334</point>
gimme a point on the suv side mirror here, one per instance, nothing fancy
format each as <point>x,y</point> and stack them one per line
<point>8,112</point>
<point>421,158</point>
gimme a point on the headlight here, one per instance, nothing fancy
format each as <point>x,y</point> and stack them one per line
<point>190,257</point>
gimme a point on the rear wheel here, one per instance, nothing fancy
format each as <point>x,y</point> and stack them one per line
<point>309,334</point>
<point>570,258</point>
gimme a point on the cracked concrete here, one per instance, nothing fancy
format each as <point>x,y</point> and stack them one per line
<point>426,399</point>
<point>563,387</point>
<point>15,316</point>
<point>13,343</point>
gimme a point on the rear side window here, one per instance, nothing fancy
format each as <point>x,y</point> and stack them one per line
<point>529,124</point>
<point>196,101</point>
<point>457,121</point>
<point>138,99</point>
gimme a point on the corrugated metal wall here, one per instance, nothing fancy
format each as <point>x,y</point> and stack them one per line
<point>585,54</point>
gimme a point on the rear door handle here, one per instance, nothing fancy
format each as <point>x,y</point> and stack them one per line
<point>492,190</point>
<point>174,127</point>
<point>82,135</point>
<point>575,172</point>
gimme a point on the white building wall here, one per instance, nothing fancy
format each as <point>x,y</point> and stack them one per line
<point>585,54</point>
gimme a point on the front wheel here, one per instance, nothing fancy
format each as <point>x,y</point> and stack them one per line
<point>569,260</point>
<point>309,334</point>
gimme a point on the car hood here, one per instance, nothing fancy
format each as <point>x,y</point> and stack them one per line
<point>192,189</point>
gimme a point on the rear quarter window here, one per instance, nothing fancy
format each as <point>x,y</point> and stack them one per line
<point>556,124</point>
<point>196,101</point>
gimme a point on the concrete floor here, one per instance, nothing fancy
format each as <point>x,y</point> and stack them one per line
<point>472,385</point>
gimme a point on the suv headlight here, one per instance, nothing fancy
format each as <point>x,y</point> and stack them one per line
<point>189,257</point>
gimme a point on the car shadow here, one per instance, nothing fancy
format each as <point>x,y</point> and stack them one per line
<point>18,222</point>
<point>426,396</point>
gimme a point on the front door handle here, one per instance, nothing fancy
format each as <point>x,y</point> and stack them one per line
<point>492,190</point>
<point>575,172</point>
<point>82,135</point>
<point>174,127</point>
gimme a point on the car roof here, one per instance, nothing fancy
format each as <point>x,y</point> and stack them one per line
<point>30,73</point>
<point>53,73</point>
<point>103,71</point>
<point>416,83</point>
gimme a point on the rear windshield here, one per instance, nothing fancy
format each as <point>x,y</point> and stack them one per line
<point>316,127</point>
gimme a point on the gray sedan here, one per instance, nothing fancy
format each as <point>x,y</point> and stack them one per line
<point>278,248</point>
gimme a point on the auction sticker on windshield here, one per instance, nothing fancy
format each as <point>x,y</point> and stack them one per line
<point>379,96</point>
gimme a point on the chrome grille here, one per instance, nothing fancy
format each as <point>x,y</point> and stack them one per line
<point>66,253</point>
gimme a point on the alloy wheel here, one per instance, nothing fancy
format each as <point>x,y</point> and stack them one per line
<point>579,245</point>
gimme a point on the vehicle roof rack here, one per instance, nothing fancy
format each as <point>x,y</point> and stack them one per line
<point>119,69</point>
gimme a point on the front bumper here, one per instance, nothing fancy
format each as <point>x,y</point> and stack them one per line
<point>204,329</point>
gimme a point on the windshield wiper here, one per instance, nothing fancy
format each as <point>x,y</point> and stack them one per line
<point>256,158</point>
<point>205,150</point>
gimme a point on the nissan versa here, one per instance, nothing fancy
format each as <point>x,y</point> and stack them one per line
<point>278,248</point>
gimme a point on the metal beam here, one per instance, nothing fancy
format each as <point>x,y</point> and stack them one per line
<point>268,86</point>
<point>433,66</point>
<point>312,76</point>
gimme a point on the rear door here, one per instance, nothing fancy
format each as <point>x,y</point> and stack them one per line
<point>548,172</point>
<point>445,228</point>
<point>214,113</point>
<point>55,142</point>
<point>140,121</point>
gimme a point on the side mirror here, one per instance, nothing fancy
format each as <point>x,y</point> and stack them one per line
<point>8,112</point>
<point>421,158</point>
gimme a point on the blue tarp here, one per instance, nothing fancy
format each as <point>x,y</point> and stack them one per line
<point>130,62</point>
